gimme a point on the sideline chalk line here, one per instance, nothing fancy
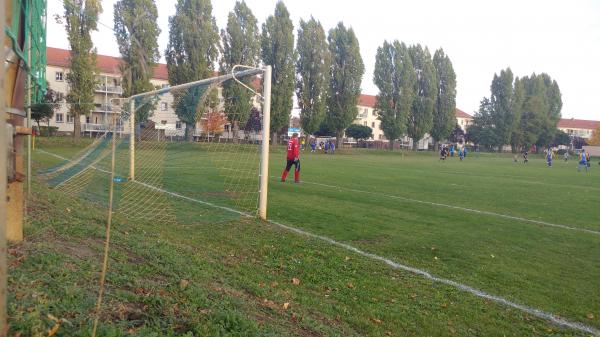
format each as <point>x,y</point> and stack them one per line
<point>479,293</point>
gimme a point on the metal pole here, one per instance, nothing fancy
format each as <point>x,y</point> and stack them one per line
<point>131,139</point>
<point>264,156</point>
<point>3,163</point>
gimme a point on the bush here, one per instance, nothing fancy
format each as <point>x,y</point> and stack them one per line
<point>43,131</point>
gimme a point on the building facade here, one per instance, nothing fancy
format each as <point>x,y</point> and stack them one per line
<point>578,127</point>
<point>367,116</point>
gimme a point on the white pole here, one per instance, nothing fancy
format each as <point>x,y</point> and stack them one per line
<point>132,139</point>
<point>264,157</point>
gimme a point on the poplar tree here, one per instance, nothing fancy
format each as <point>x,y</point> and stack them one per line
<point>312,71</point>
<point>420,120</point>
<point>444,112</point>
<point>191,53</point>
<point>395,77</point>
<point>277,50</point>
<point>347,69</point>
<point>502,106</point>
<point>241,45</point>
<point>81,18</point>
<point>137,32</point>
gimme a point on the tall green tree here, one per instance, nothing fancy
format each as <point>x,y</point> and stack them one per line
<point>444,112</point>
<point>312,69</point>
<point>277,50</point>
<point>81,18</point>
<point>502,106</point>
<point>420,120</point>
<point>241,45</point>
<point>395,77</point>
<point>482,132</point>
<point>347,69</point>
<point>191,53</point>
<point>137,32</point>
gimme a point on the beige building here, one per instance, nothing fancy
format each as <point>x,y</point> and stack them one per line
<point>107,94</point>
<point>578,127</point>
<point>368,116</point>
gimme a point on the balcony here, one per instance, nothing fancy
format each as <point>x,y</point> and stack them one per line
<point>91,127</point>
<point>111,89</point>
<point>104,108</point>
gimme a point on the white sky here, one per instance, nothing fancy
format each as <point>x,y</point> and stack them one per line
<point>561,38</point>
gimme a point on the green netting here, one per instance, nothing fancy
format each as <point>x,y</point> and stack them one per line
<point>205,173</point>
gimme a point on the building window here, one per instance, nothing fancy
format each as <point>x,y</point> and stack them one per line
<point>70,119</point>
<point>87,119</point>
<point>59,117</point>
<point>163,106</point>
<point>380,137</point>
<point>365,123</point>
<point>373,125</point>
<point>178,125</point>
<point>163,122</point>
<point>59,76</point>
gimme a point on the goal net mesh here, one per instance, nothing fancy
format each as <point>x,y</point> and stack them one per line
<point>195,159</point>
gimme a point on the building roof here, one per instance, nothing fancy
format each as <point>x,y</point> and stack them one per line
<point>107,64</point>
<point>572,123</point>
<point>370,100</point>
<point>367,100</point>
<point>462,114</point>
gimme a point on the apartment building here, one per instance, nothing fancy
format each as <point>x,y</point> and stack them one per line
<point>368,116</point>
<point>107,94</point>
<point>578,127</point>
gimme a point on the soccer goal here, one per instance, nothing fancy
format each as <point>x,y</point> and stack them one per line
<point>204,143</point>
<point>186,154</point>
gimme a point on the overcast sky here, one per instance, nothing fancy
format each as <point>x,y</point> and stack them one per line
<point>561,38</point>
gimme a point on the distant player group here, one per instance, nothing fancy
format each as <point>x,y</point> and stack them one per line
<point>449,151</point>
<point>583,162</point>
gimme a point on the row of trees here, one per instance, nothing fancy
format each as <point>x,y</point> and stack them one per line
<point>417,94</point>
<point>520,111</point>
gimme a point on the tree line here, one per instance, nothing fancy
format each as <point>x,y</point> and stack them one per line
<point>416,91</point>
<point>520,112</point>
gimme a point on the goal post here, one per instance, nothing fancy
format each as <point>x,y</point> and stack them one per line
<point>197,93</point>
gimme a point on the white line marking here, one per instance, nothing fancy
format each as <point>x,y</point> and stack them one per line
<point>471,210</point>
<point>534,312</point>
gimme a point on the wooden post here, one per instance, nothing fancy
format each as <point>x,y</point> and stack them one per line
<point>3,186</point>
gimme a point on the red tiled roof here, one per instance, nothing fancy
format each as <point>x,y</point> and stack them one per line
<point>106,64</point>
<point>462,114</point>
<point>573,123</point>
<point>367,100</point>
<point>370,100</point>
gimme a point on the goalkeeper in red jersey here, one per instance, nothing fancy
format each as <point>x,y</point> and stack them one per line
<point>293,153</point>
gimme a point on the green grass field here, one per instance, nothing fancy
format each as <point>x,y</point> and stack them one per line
<point>525,233</point>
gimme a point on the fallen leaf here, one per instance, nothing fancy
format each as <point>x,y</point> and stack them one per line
<point>295,281</point>
<point>274,284</point>
<point>347,258</point>
<point>376,320</point>
<point>183,284</point>
<point>350,285</point>
<point>286,305</point>
<point>492,255</point>
<point>435,258</point>
<point>590,316</point>
<point>53,330</point>
<point>444,305</point>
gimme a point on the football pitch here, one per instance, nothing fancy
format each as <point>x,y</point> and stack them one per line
<point>405,244</point>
